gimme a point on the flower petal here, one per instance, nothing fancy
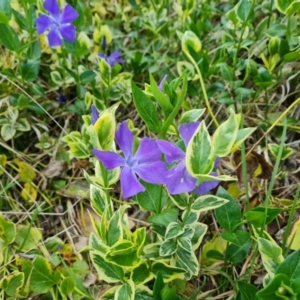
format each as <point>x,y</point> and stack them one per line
<point>43,22</point>
<point>68,14</point>
<point>187,130</point>
<point>114,58</point>
<point>52,8</point>
<point>54,38</point>
<point>179,180</point>
<point>217,162</point>
<point>94,114</point>
<point>124,139</point>
<point>152,173</point>
<point>68,32</point>
<point>207,186</point>
<point>129,183</point>
<point>161,84</point>
<point>102,55</point>
<point>110,160</point>
<point>171,151</point>
<point>148,151</point>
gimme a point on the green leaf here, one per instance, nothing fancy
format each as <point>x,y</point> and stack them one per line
<point>7,132</point>
<point>115,229</point>
<point>5,11</point>
<point>188,261</point>
<point>169,273</point>
<point>158,286</point>
<point>9,38</point>
<point>29,70</point>
<point>260,216</point>
<point>180,200</point>
<point>207,202</point>
<point>12,283</point>
<point>241,136</point>
<point>237,254</point>
<point>145,108</point>
<point>123,253</point>
<point>43,277</point>
<point>139,238</point>
<point>247,290</point>
<point>271,254</point>
<point>229,215</point>
<point>105,128</point>
<point>161,98</point>
<point>282,5</point>
<point>200,230</point>
<point>67,286</point>
<point>126,291</point>
<point>294,8</point>
<point>244,10</point>
<point>21,20</point>
<point>225,136</point>
<point>290,266</point>
<point>275,290</point>
<point>198,152</point>
<point>27,238</point>
<point>7,230</point>
<point>274,149</point>
<point>238,237</point>
<point>191,116</point>
<point>226,72</point>
<point>152,199</point>
<point>22,125</point>
<point>107,271</point>
<point>141,274</point>
<point>151,251</point>
<point>174,229</point>
<point>87,76</point>
<point>98,199</point>
<point>164,218</point>
<point>190,39</point>
<point>168,247</point>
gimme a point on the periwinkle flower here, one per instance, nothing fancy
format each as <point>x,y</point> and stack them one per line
<point>113,58</point>
<point>145,163</point>
<point>58,23</point>
<point>178,179</point>
<point>94,114</point>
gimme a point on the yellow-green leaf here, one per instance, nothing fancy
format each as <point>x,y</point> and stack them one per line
<point>207,202</point>
<point>105,128</point>
<point>225,136</point>
<point>198,152</point>
<point>29,193</point>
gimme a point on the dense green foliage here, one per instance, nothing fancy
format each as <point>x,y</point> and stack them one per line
<point>149,149</point>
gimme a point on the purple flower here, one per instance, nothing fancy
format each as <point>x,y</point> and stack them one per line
<point>94,114</point>
<point>161,84</point>
<point>113,58</point>
<point>59,23</point>
<point>145,163</point>
<point>178,179</point>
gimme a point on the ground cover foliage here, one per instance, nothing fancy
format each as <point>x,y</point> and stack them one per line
<point>149,149</point>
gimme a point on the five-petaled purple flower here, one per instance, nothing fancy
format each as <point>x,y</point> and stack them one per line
<point>113,58</point>
<point>178,179</point>
<point>59,23</point>
<point>145,163</point>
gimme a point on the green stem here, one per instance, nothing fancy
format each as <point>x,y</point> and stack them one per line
<point>289,223</point>
<point>203,89</point>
